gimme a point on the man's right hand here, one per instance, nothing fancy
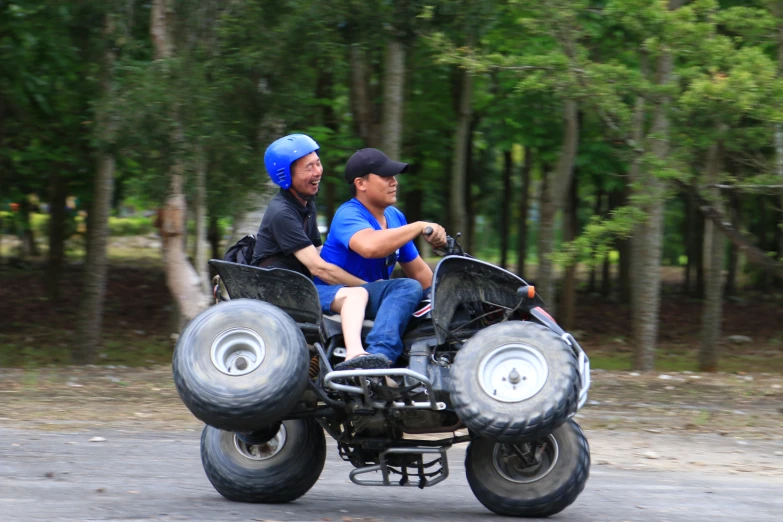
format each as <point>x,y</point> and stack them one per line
<point>434,234</point>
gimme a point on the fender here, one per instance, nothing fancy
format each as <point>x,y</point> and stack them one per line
<point>458,280</point>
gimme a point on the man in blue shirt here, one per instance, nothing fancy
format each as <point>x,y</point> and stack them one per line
<point>368,236</point>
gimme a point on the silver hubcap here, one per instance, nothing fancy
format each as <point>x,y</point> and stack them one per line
<point>513,372</point>
<point>238,351</point>
<point>262,451</point>
<point>511,467</point>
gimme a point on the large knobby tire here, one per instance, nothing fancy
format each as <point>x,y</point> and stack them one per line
<point>502,483</point>
<point>515,381</point>
<point>281,470</point>
<point>241,365</point>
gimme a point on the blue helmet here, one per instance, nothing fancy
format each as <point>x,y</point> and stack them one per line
<point>282,153</point>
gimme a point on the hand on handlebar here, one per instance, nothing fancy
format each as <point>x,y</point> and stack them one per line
<point>434,234</point>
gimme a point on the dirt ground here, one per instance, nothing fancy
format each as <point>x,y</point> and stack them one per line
<point>682,421</point>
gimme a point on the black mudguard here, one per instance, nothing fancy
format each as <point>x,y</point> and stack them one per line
<point>290,291</point>
<point>458,280</point>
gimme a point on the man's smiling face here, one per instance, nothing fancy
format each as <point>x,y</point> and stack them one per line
<point>306,175</point>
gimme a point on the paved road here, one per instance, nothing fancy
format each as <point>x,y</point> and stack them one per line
<point>59,476</point>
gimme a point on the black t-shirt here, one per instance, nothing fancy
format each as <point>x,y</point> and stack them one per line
<point>287,227</point>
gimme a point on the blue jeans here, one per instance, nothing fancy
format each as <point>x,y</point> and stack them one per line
<point>390,306</point>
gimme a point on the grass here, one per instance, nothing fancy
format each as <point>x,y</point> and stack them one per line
<point>121,349</point>
<point>682,359</point>
<point>127,348</point>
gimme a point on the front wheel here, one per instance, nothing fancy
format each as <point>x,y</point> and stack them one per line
<point>534,479</point>
<point>515,381</point>
<point>277,471</point>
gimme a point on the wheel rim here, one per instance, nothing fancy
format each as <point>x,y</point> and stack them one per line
<point>513,372</point>
<point>262,451</point>
<point>508,464</point>
<point>238,351</point>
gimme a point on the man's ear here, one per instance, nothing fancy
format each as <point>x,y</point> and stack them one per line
<point>359,184</point>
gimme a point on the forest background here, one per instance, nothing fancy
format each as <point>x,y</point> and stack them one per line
<point>626,156</point>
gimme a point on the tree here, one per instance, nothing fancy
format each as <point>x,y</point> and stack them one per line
<point>182,279</point>
<point>89,324</point>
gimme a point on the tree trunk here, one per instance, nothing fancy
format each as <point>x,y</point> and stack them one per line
<point>213,236</point>
<point>413,198</point>
<point>90,320</point>
<point>524,210</point>
<point>779,135</point>
<point>459,165</point>
<point>648,239</point>
<point>475,169</point>
<point>200,214</point>
<point>361,104</point>
<point>713,306</point>
<point>393,98</point>
<point>557,189</point>
<point>89,323</point>
<point>505,207</point>
<point>736,217</point>
<point>753,253</point>
<point>599,197</point>
<point>29,247</point>
<point>57,226</point>
<point>570,225</point>
<point>249,214</point>
<point>161,24</point>
<point>606,266</point>
<point>182,279</point>
<point>697,243</point>
<point>619,198</point>
<point>545,243</point>
<point>763,280</point>
<point>325,91</point>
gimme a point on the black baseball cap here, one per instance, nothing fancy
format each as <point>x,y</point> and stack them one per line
<point>372,161</point>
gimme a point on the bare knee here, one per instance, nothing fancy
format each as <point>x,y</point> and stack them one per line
<point>357,295</point>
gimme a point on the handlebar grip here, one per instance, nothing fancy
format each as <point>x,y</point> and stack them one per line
<point>428,230</point>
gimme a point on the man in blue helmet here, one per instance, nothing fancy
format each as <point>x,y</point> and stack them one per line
<point>288,238</point>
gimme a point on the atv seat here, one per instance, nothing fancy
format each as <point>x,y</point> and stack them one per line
<point>333,325</point>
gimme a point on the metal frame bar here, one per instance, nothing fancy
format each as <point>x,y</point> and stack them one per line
<point>386,474</point>
<point>365,390</point>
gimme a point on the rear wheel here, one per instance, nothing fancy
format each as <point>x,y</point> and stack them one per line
<point>277,471</point>
<point>515,381</point>
<point>533,479</point>
<point>241,365</point>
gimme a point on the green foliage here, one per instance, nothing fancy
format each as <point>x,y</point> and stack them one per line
<point>245,72</point>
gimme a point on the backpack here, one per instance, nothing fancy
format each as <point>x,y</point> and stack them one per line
<point>242,251</point>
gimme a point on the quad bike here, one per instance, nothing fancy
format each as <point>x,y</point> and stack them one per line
<point>483,364</point>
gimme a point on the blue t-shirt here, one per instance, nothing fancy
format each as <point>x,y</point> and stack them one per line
<point>349,219</point>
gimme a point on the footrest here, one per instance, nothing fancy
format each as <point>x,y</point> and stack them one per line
<point>331,378</point>
<point>426,478</point>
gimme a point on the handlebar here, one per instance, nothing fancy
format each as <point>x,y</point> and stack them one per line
<point>452,248</point>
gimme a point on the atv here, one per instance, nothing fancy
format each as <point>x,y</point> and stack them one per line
<point>483,364</point>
